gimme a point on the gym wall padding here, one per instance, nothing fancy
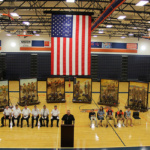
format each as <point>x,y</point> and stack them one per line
<point>139,68</point>
<point>18,65</point>
<point>110,66</point>
<point>44,66</point>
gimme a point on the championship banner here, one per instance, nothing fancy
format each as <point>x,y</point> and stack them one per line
<point>114,47</point>
<point>106,45</point>
<point>0,44</point>
<point>34,45</point>
<point>25,43</point>
<point>132,46</point>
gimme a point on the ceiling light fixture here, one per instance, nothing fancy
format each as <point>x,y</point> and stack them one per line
<point>70,1</point>
<point>1,0</point>
<point>109,26</point>
<point>37,34</point>
<point>131,34</point>
<point>101,32</point>
<point>121,17</point>
<point>123,37</point>
<point>142,3</point>
<point>94,35</point>
<point>8,34</point>
<point>14,14</point>
<point>26,23</point>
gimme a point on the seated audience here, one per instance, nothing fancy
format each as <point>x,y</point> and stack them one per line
<point>120,116</point>
<point>128,117</point>
<point>92,117</point>
<point>7,115</point>
<point>35,115</point>
<point>100,114</point>
<point>109,116</point>
<point>16,114</point>
<point>55,116</point>
<point>44,116</point>
<point>25,115</point>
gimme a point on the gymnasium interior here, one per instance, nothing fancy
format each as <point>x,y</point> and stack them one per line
<point>79,55</point>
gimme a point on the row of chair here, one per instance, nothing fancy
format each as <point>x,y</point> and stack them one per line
<point>135,116</point>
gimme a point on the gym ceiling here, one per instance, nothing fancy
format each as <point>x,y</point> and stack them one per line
<point>34,16</point>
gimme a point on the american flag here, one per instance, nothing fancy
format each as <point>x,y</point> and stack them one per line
<point>71,45</point>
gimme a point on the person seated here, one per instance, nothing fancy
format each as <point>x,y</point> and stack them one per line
<point>25,115</point>
<point>100,115</point>
<point>92,117</point>
<point>16,114</point>
<point>55,116</point>
<point>68,118</point>
<point>7,115</point>
<point>35,115</point>
<point>120,116</point>
<point>109,115</point>
<point>128,117</point>
<point>44,116</point>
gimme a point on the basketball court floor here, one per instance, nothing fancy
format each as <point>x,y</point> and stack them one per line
<point>85,137</point>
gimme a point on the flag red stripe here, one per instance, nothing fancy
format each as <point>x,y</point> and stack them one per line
<point>89,47</point>
<point>64,56</point>
<point>83,43</point>
<point>77,44</point>
<point>58,55</point>
<point>70,56</point>
<point>52,55</point>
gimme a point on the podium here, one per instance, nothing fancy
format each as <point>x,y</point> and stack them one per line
<point>67,135</point>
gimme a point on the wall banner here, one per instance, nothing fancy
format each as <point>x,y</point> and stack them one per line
<point>25,43</point>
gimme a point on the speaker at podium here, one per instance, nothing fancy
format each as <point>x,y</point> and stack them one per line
<point>67,135</point>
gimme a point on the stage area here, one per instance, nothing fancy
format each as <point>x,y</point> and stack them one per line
<point>85,137</point>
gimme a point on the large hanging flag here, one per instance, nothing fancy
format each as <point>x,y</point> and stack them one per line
<point>71,45</point>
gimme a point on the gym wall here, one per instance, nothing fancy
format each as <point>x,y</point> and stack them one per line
<point>15,64</point>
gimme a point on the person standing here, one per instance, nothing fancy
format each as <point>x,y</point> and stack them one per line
<point>16,114</point>
<point>7,115</point>
<point>35,115</point>
<point>55,116</point>
<point>44,116</point>
<point>25,115</point>
<point>68,118</point>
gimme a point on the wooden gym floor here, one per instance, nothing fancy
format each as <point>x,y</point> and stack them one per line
<point>85,137</point>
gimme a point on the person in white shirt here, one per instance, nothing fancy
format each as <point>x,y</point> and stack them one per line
<point>44,116</point>
<point>25,115</point>
<point>7,115</point>
<point>16,114</point>
<point>55,116</point>
<point>35,115</point>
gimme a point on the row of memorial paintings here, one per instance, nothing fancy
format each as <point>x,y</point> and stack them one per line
<point>82,92</point>
<point>4,94</point>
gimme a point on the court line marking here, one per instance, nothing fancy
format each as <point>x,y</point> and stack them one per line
<point>112,128</point>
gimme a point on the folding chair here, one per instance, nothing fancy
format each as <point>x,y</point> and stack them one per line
<point>125,115</point>
<point>116,115</point>
<point>136,116</point>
